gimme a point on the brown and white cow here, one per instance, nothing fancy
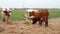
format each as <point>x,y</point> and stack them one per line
<point>6,14</point>
<point>39,15</point>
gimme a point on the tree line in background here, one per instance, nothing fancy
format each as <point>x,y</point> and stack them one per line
<point>31,8</point>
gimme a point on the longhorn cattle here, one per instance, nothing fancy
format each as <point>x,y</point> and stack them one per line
<point>39,15</point>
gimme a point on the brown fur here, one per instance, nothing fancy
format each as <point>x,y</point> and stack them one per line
<point>40,15</point>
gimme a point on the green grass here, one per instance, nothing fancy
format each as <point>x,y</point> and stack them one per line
<point>18,14</point>
<point>54,13</point>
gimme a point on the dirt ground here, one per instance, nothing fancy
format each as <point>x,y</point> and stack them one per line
<point>24,27</point>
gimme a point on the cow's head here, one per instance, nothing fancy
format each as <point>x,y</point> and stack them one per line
<point>30,13</point>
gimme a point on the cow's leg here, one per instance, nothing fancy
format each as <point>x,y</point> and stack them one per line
<point>34,21</point>
<point>40,22</point>
<point>46,21</point>
<point>8,19</point>
<point>3,19</point>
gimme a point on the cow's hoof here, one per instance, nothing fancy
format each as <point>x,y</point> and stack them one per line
<point>40,24</point>
<point>3,20</point>
<point>46,25</point>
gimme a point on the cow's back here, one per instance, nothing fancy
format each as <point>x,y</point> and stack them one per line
<point>45,12</point>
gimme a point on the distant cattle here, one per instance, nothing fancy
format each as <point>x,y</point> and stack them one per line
<point>39,15</point>
<point>6,14</point>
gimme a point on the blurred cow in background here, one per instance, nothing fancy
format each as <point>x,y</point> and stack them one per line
<point>6,12</point>
<point>38,15</point>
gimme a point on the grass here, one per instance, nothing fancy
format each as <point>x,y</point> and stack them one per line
<point>54,13</point>
<point>18,14</point>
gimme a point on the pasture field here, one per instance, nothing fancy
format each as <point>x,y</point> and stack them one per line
<point>20,26</point>
<point>18,14</point>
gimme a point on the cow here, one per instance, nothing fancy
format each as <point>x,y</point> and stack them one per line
<point>40,16</point>
<point>6,12</point>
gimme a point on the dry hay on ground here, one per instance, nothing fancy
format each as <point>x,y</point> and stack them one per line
<point>22,27</point>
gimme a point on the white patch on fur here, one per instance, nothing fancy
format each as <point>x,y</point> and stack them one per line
<point>35,10</point>
<point>29,10</point>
